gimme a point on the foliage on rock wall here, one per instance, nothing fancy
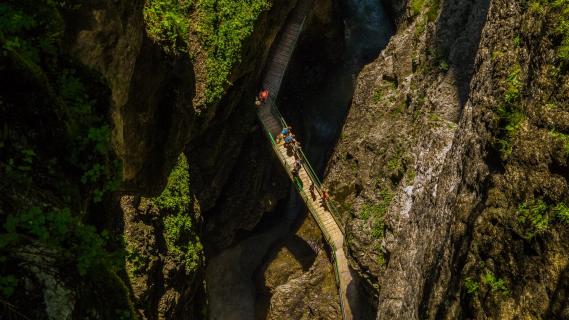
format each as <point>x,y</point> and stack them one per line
<point>167,22</point>
<point>524,221</point>
<point>177,211</point>
<point>221,27</point>
<point>56,164</point>
<point>178,205</point>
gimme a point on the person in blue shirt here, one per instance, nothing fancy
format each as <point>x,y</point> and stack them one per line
<point>285,131</point>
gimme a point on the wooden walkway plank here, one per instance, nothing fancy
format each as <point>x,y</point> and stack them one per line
<point>272,122</point>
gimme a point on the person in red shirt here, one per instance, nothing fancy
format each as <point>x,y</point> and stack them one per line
<point>264,95</point>
<point>325,197</point>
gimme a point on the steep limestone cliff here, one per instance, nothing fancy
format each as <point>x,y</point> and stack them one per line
<point>452,165</point>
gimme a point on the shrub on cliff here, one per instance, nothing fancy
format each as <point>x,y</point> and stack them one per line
<point>177,205</point>
<point>221,26</point>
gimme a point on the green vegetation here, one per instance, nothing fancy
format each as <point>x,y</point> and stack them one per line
<point>438,60</point>
<point>420,28</point>
<point>411,174</point>
<point>517,41</point>
<point>377,212</point>
<point>512,92</point>
<point>377,95</point>
<point>471,285</point>
<point>78,243</point>
<point>179,230</point>
<point>564,138</point>
<point>435,117</point>
<point>62,87</point>
<point>535,217</point>
<point>416,6</point>
<point>511,117</point>
<point>433,12</point>
<point>434,5</point>
<point>497,54</point>
<point>384,88</point>
<point>222,27</point>
<point>56,162</point>
<point>562,212</point>
<point>496,284</point>
<point>443,65</point>
<point>557,17</point>
<point>381,259</point>
<point>168,23</point>
<point>394,164</point>
<point>138,262</point>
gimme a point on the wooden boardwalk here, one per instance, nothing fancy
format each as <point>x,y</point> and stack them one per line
<point>273,122</point>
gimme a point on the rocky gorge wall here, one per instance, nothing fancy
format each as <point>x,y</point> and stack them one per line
<point>130,246</point>
<point>451,170</point>
<point>231,180</point>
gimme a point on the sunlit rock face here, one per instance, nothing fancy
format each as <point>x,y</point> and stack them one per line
<point>435,177</point>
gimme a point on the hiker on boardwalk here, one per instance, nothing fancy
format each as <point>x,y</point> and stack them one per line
<point>286,131</point>
<point>296,149</point>
<point>289,140</point>
<point>264,95</point>
<point>312,191</point>
<point>296,168</point>
<point>325,197</point>
<point>297,165</point>
<point>289,143</point>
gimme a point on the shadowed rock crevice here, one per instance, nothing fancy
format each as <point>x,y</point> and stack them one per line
<point>457,38</point>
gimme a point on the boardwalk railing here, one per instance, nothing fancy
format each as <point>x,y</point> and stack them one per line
<point>305,163</point>
<point>305,197</point>
<point>324,212</point>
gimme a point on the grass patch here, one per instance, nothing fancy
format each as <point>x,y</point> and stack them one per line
<point>443,65</point>
<point>512,121</point>
<point>420,28</point>
<point>411,175</point>
<point>381,259</point>
<point>497,54</point>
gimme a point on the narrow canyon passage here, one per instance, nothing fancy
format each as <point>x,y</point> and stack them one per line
<point>140,179</point>
<point>316,94</point>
